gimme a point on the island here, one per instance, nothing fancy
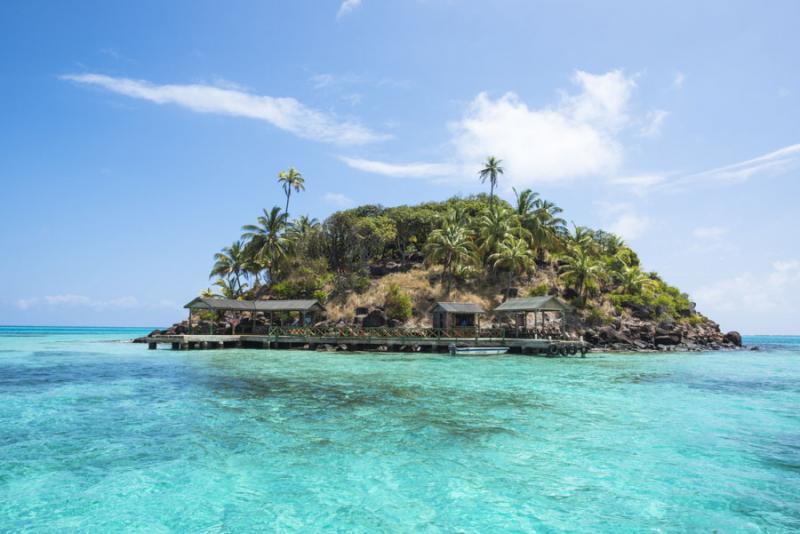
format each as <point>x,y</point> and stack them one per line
<point>462,269</point>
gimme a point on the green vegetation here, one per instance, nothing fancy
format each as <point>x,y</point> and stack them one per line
<point>397,304</point>
<point>469,244</point>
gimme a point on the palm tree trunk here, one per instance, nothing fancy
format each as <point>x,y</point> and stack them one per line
<point>286,210</point>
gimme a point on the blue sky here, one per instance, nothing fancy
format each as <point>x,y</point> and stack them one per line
<point>137,138</point>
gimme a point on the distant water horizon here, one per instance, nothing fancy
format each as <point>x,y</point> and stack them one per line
<point>98,434</point>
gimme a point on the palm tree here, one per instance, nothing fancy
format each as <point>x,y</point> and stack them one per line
<point>526,203</point>
<point>229,264</point>
<point>227,289</point>
<point>494,227</point>
<point>491,169</point>
<point>451,247</point>
<point>303,226</point>
<point>633,280</point>
<point>291,179</point>
<point>548,230</point>
<point>582,270</point>
<point>266,243</point>
<point>514,255</point>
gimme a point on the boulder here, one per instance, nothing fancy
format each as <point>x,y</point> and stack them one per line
<point>667,339</point>
<point>734,338</point>
<point>375,318</point>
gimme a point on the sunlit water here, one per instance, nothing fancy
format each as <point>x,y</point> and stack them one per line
<point>99,436</point>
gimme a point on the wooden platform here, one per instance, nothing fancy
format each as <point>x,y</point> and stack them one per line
<point>357,339</point>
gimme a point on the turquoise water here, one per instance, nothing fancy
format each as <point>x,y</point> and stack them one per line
<point>98,436</point>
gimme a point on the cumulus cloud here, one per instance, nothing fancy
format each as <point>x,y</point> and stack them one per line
<point>776,290</point>
<point>575,138</point>
<point>623,219</point>
<point>346,7</point>
<point>338,200</point>
<point>409,170</point>
<point>285,113</point>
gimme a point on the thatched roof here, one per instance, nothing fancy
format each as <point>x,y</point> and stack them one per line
<point>219,304</point>
<point>533,304</point>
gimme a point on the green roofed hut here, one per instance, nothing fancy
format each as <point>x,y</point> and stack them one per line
<point>308,311</point>
<point>456,315</point>
<point>540,309</point>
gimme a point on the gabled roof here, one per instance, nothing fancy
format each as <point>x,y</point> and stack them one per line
<point>216,303</point>
<point>530,304</point>
<point>458,307</point>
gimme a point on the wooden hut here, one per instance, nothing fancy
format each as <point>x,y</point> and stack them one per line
<point>539,309</point>
<point>308,311</point>
<point>456,315</point>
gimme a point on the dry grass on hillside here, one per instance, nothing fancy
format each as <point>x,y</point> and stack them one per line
<point>425,289</point>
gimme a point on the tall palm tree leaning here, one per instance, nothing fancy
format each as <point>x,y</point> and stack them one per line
<point>491,170</point>
<point>291,179</point>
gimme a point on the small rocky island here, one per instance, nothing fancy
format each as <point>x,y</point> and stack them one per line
<point>374,266</point>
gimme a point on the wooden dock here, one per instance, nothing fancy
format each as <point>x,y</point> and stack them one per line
<point>386,339</point>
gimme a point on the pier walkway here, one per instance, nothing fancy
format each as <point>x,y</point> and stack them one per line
<point>389,339</point>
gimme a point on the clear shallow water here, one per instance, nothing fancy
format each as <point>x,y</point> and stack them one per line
<point>97,435</point>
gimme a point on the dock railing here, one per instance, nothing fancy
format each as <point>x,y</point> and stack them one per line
<point>404,333</point>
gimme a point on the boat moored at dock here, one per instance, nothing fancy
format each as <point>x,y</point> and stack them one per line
<point>455,350</point>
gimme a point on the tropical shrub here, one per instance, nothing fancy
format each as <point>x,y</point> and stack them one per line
<point>397,304</point>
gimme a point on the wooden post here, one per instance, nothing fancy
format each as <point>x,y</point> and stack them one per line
<point>190,321</point>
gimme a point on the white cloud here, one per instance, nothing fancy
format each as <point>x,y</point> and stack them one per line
<point>406,170</point>
<point>285,113</point>
<point>623,220</point>
<point>709,232</point>
<point>772,163</point>
<point>346,7</point>
<point>653,122</point>
<point>678,80</point>
<point>71,300</point>
<point>630,226</point>
<point>575,138</point>
<point>775,291</point>
<point>603,100</point>
<point>338,199</point>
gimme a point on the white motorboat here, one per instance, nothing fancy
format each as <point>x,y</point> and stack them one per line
<point>476,351</point>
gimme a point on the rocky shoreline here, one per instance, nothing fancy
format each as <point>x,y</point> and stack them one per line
<point>636,335</point>
<point>623,335</point>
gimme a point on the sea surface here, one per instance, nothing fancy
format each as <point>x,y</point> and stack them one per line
<point>100,435</point>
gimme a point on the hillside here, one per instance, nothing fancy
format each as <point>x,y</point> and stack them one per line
<point>398,261</point>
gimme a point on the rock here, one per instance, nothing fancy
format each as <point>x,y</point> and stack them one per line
<point>755,348</point>
<point>609,334</point>
<point>734,338</point>
<point>667,339</point>
<point>155,332</point>
<point>375,318</point>
<point>640,312</point>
